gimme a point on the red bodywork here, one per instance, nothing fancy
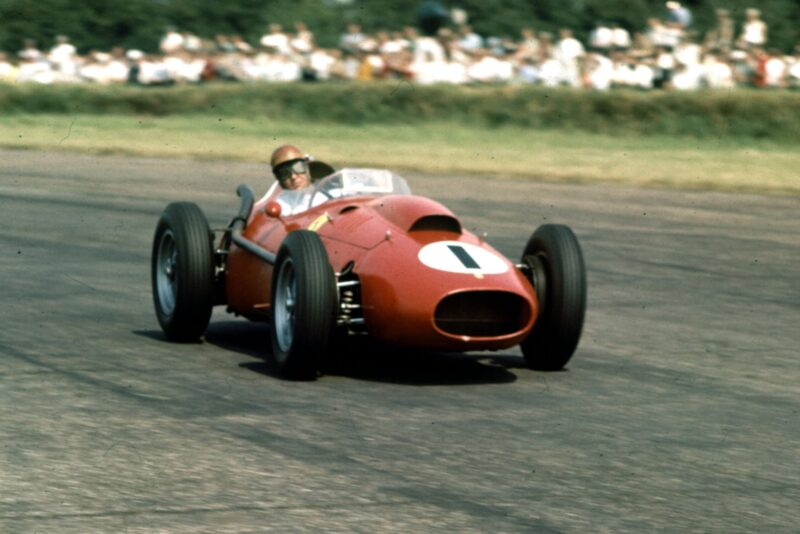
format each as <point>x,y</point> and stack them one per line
<point>403,300</point>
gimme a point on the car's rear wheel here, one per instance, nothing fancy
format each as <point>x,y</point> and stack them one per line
<point>182,271</point>
<point>303,305</point>
<point>555,265</point>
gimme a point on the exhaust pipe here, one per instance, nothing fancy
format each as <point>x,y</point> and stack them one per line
<point>239,223</point>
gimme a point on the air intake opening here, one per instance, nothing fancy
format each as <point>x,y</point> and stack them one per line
<point>441,223</point>
<point>482,314</point>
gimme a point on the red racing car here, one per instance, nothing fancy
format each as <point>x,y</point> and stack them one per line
<point>357,253</point>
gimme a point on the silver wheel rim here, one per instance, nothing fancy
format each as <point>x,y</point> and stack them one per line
<point>285,298</point>
<point>166,273</point>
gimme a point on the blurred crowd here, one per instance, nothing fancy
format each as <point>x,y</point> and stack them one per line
<point>667,54</point>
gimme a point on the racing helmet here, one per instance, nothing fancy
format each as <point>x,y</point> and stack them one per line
<point>285,154</point>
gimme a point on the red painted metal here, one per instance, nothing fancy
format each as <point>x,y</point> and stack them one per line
<point>399,294</point>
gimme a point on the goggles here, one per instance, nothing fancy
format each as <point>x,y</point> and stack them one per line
<point>285,170</point>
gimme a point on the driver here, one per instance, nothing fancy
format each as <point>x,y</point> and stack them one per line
<point>290,167</point>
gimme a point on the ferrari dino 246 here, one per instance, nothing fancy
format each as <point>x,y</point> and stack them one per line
<point>357,253</point>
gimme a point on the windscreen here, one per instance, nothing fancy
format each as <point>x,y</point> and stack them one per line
<point>341,184</point>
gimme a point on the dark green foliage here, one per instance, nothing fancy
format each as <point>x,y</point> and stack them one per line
<point>726,114</point>
<point>103,24</point>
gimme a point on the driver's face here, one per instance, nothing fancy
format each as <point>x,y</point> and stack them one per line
<point>293,174</point>
<point>296,181</point>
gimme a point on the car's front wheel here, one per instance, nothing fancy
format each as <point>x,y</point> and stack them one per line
<point>182,271</point>
<point>556,269</point>
<point>303,305</point>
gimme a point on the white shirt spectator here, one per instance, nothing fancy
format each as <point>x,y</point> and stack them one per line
<point>350,41</point>
<point>621,38</point>
<point>489,69</point>
<point>665,61</point>
<point>428,69</point>
<point>568,50</point>
<point>276,40</point>
<point>62,52</point>
<point>551,72</point>
<point>718,74</point>
<point>642,76</point>
<point>623,74</point>
<point>171,42</point>
<point>456,73</point>
<point>688,78</point>
<point>35,70</point>
<point>191,42</point>
<point>303,41</point>
<point>599,72</point>
<point>428,49</point>
<point>754,31</point>
<point>602,37</point>
<point>469,40</point>
<point>688,53</point>
<point>321,62</point>
<point>528,71</point>
<point>153,71</point>
<point>774,72</point>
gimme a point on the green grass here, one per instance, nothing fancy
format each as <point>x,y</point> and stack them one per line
<point>439,147</point>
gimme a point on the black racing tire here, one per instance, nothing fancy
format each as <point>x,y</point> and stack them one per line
<point>556,269</point>
<point>182,271</point>
<point>303,305</point>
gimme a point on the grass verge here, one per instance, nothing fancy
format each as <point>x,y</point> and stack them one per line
<point>757,166</point>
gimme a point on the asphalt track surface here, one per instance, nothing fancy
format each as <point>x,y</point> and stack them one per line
<point>679,412</point>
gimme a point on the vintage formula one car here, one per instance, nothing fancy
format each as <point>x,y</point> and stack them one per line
<point>357,253</point>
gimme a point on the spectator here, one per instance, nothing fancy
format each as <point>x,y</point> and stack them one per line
<point>687,77</point>
<point>152,71</point>
<point>428,49</point>
<point>678,14</point>
<point>351,39</point>
<point>528,70</point>
<point>598,71</point>
<point>469,40</point>
<point>171,42</point>
<point>223,43</point>
<point>661,35</point>
<point>191,42</point>
<point>720,37</point>
<point>569,52</point>
<point>303,40</point>
<point>431,16</point>
<point>754,31</point>
<point>29,51</point>
<point>240,45</point>
<point>718,73</point>
<point>326,64</point>
<point>487,68</point>
<point>276,39</point>
<point>642,47</point>
<point>665,67</point>
<point>529,46</point>
<point>688,52</point>
<point>620,37</point>
<point>775,70</point>
<point>35,68</point>
<point>622,70</point>
<point>62,55</point>
<point>601,38</point>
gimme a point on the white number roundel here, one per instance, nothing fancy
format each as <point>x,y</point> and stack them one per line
<point>456,257</point>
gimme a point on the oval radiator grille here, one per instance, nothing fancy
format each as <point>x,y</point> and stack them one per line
<point>482,314</point>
